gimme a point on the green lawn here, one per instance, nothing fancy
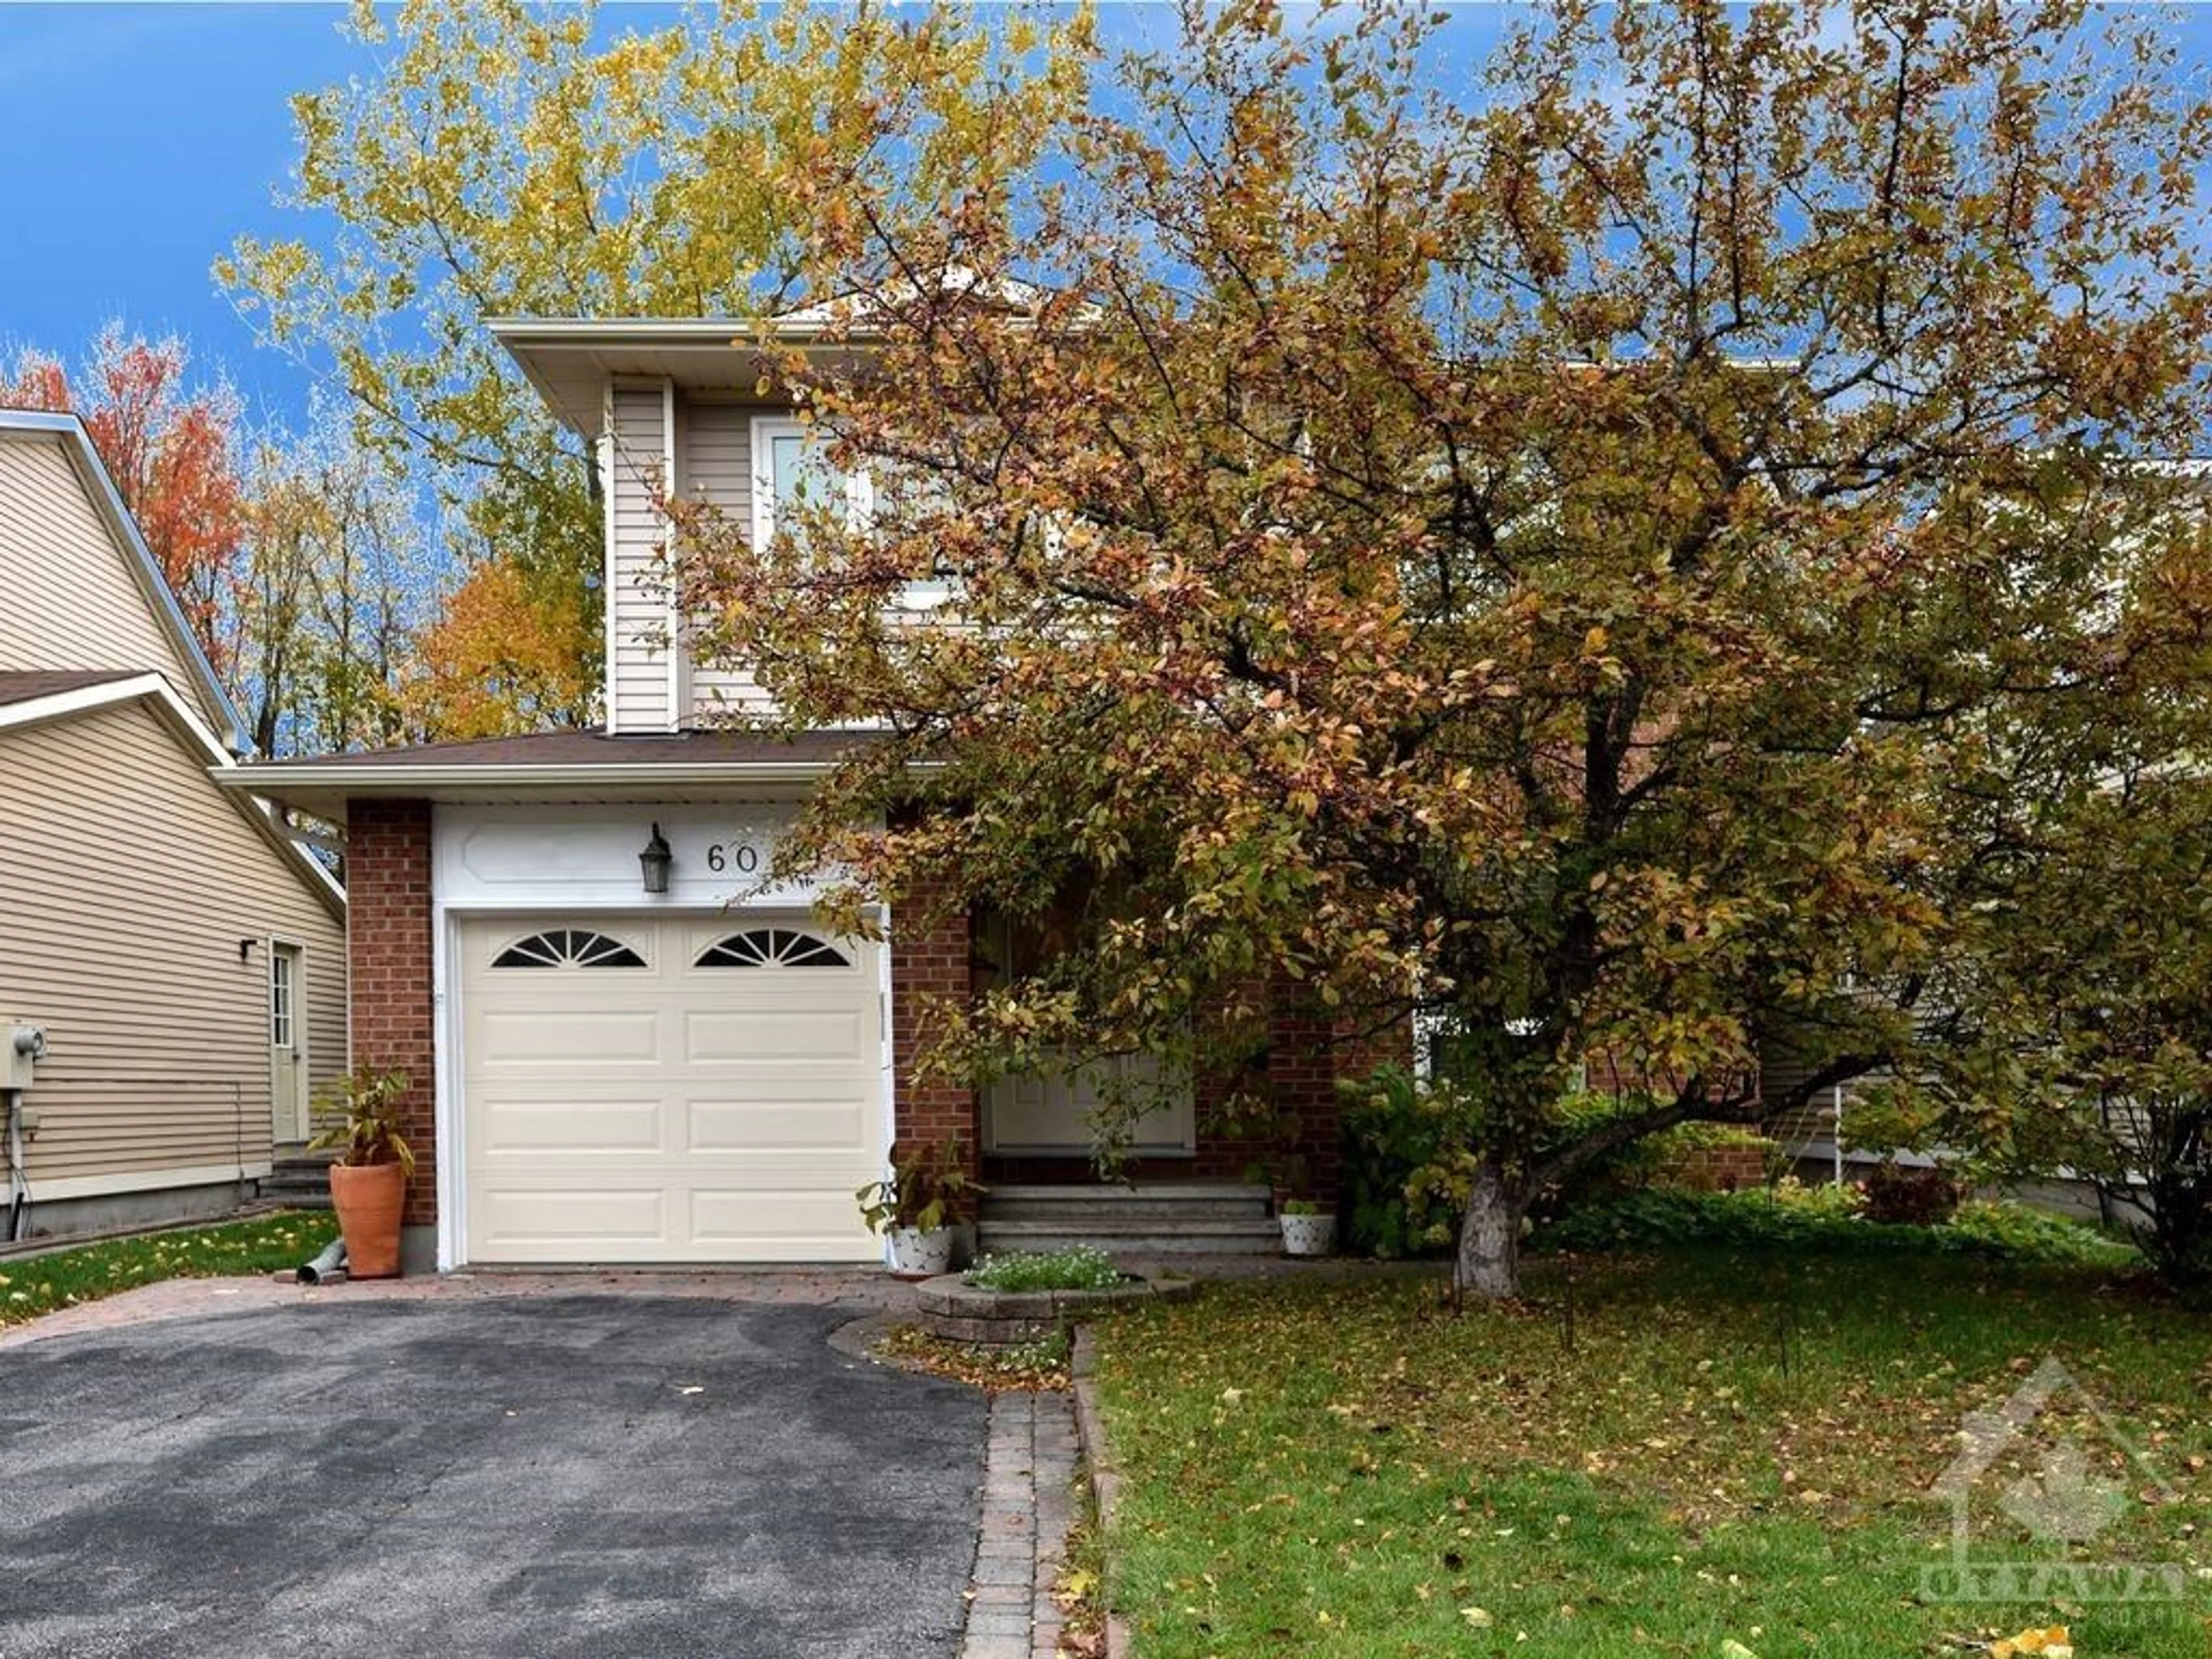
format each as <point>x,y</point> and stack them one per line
<point>31,1285</point>
<point>1736,1447</point>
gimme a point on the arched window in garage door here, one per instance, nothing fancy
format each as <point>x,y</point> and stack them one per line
<point>568,947</point>
<point>772,947</point>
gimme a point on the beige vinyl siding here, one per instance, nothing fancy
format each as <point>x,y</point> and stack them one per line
<point>717,468</point>
<point>638,680</point>
<point>1781,1070</point>
<point>127,881</point>
<point>69,598</point>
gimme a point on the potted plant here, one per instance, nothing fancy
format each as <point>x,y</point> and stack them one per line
<point>368,1182</point>
<point>1308,1229</point>
<point>913,1206</point>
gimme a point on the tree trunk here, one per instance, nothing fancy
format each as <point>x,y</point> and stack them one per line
<point>1489,1263</point>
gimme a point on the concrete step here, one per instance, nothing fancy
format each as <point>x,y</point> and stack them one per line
<point>299,1181</point>
<point>1158,1200</point>
<point>1136,1235</point>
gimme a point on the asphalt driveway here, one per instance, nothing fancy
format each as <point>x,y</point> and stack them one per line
<point>622,1477</point>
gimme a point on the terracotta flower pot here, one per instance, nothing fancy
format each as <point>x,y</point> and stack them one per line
<point>369,1200</point>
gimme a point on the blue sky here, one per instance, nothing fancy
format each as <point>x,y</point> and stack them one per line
<point>137,141</point>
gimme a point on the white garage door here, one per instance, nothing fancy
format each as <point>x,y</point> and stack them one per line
<point>669,1089</point>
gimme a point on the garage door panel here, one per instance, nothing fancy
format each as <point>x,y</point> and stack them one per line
<point>772,1033</point>
<point>535,1038</point>
<point>671,1114</point>
<point>538,1127</point>
<point>549,1213</point>
<point>748,1126</point>
<point>737,1216</point>
<point>739,1084</point>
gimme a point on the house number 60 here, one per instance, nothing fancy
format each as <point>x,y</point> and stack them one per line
<point>736,855</point>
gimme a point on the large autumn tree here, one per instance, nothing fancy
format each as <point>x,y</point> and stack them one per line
<point>2079,996</point>
<point>505,158</point>
<point>1607,558</point>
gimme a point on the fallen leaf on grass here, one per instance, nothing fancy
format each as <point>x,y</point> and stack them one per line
<point>2050,1644</point>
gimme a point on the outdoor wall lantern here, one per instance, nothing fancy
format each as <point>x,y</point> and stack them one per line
<point>654,861</point>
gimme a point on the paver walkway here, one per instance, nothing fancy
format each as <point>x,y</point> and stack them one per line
<point>1029,1478</point>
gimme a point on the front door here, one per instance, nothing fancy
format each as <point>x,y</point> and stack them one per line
<point>1053,1111</point>
<point>288,1047</point>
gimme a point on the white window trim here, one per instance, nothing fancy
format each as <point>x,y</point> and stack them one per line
<point>925,594</point>
<point>860,496</point>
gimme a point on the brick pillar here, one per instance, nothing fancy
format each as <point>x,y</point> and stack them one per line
<point>930,971</point>
<point>1309,1050</point>
<point>1302,1086</point>
<point>388,954</point>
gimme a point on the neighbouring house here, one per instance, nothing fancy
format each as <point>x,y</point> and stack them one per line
<point>185,957</point>
<point>604,1072</point>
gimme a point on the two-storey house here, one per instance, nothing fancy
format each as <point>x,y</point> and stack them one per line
<point>621,1058</point>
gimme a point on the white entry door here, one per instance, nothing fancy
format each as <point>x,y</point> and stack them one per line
<point>667,1090</point>
<point>1053,1111</point>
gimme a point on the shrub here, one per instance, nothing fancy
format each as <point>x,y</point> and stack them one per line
<point>1408,1154</point>
<point>1079,1267</point>
<point>1905,1196</point>
<point>1829,1216</point>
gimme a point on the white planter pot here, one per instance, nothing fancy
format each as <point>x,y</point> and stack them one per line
<point>1308,1235</point>
<point>923,1254</point>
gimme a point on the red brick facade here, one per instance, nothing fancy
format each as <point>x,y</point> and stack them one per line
<point>388,948</point>
<point>1724,1167</point>
<point>1310,1051</point>
<point>930,971</point>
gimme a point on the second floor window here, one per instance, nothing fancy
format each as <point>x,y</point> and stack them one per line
<point>793,476</point>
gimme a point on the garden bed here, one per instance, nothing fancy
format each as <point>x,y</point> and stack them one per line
<point>953,1308</point>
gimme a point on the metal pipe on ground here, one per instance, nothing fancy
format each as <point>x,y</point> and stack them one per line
<point>330,1265</point>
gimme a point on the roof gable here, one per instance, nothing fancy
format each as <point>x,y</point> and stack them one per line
<point>80,591</point>
<point>28,700</point>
